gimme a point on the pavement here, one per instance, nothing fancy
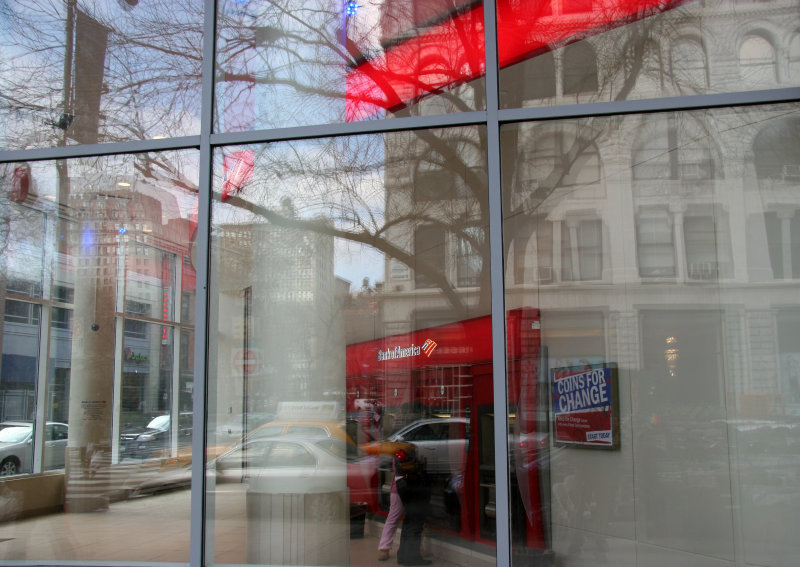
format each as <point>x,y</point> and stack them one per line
<point>155,529</point>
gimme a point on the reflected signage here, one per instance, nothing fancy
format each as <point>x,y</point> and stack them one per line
<point>585,407</point>
<point>427,349</point>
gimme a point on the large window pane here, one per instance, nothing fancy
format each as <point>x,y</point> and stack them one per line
<point>80,72</point>
<point>290,63</point>
<point>96,388</point>
<point>655,409</point>
<point>352,318</point>
<point>567,51</point>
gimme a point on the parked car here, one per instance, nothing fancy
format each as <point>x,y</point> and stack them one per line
<point>441,443</point>
<point>300,464</point>
<point>144,442</point>
<point>16,446</point>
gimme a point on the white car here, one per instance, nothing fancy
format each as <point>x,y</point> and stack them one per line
<point>286,464</point>
<point>440,442</point>
<point>16,446</point>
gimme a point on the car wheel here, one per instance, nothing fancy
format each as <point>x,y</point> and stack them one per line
<point>9,466</point>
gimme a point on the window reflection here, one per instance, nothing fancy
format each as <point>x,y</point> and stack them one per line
<point>757,62</point>
<point>684,295</point>
<point>617,50</point>
<point>104,71</point>
<point>94,405</point>
<point>356,314</point>
<point>327,62</point>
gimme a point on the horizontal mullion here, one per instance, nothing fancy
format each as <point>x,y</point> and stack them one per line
<point>690,102</point>
<point>92,150</point>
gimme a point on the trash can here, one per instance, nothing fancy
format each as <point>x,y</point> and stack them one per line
<point>287,525</point>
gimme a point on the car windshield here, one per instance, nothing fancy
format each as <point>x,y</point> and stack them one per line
<point>160,422</point>
<point>14,434</point>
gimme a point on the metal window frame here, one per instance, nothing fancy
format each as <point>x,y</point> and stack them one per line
<point>493,118</point>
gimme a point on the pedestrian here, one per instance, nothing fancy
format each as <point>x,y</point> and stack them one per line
<point>396,512</point>
<point>414,490</point>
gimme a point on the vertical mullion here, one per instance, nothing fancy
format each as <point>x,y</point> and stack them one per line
<point>497,296</point>
<point>197,528</point>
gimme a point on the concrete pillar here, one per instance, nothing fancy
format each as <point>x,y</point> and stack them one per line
<point>88,456</point>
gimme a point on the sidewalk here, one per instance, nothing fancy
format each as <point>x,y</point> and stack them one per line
<point>155,529</point>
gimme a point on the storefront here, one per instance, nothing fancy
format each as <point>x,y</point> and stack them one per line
<point>257,254</point>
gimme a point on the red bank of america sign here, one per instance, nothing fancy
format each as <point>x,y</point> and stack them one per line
<point>396,352</point>
<point>443,50</point>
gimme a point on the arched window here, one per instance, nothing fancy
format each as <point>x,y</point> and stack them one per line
<point>530,79</point>
<point>673,149</point>
<point>777,151</point>
<point>757,61</point>
<point>688,65</point>
<point>429,250</point>
<point>563,152</point>
<point>794,58</point>
<point>579,69</point>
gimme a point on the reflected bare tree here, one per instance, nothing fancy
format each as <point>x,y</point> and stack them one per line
<point>295,58</point>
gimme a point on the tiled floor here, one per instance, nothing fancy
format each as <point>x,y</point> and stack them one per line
<point>156,529</point>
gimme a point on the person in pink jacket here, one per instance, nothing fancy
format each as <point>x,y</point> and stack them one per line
<point>396,512</point>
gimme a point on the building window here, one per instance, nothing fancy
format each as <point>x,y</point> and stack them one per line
<point>783,241</point>
<point>21,312</point>
<point>62,318</point>
<point>574,158</point>
<point>135,329</point>
<point>794,58</point>
<point>468,258</point>
<point>654,244</point>
<point>708,253</point>
<point>757,65</point>
<point>675,149</point>
<point>689,65</point>
<point>582,250</point>
<point>775,149</point>
<point>579,69</point>
<point>397,270</point>
<point>429,249</point>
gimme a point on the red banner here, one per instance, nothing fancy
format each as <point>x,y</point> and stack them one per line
<point>450,52</point>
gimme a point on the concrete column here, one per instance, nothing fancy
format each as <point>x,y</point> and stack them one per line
<point>88,455</point>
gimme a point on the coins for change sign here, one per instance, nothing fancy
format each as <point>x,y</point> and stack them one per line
<point>585,408</point>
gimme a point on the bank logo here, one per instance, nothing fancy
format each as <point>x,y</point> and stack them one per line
<point>428,347</point>
<point>393,353</point>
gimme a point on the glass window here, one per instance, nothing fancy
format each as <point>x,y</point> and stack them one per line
<point>579,65</point>
<point>582,249</point>
<point>794,58</point>
<point>430,251</point>
<point>649,417</point>
<point>89,365</point>
<point>104,71</point>
<point>295,63</point>
<point>468,260</point>
<point>688,61</point>
<point>655,246</point>
<point>314,347</point>
<point>707,240</point>
<point>757,63</point>
<point>621,50</point>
